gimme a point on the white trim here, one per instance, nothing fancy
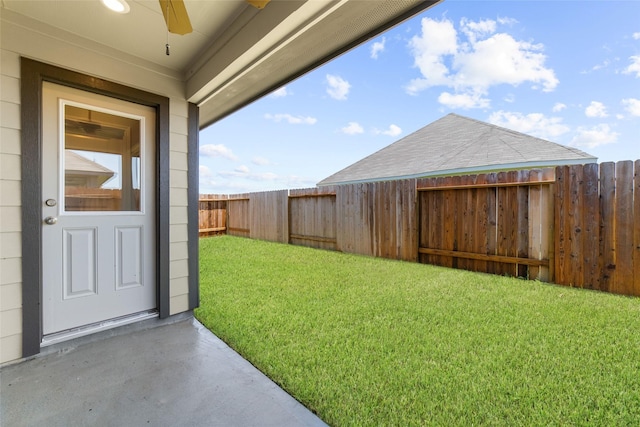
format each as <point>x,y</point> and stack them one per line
<point>82,331</point>
<point>62,103</point>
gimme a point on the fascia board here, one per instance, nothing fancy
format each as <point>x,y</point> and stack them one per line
<point>466,171</point>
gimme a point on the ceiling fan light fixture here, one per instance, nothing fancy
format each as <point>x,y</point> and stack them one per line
<point>118,6</point>
<point>258,4</point>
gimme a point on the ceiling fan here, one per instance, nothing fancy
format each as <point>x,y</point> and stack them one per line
<point>177,18</point>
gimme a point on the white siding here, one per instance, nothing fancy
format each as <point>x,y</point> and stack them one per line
<point>178,164</point>
<point>19,41</point>
<point>10,212</point>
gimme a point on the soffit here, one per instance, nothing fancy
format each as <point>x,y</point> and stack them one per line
<point>142,32</point>
<point>236,53</point>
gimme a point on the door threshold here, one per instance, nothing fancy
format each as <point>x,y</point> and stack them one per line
<point>93,328</point>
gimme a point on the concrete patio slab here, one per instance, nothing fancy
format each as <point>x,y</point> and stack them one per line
<point>178,374</point>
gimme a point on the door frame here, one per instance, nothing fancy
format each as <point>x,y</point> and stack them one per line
<point>33,74</point>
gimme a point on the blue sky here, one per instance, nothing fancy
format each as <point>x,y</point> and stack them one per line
<point>566,71</point>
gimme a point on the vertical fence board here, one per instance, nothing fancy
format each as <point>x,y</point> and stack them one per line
<point>423,223</point>
<point>466,229</point>
<point>511,227</point>
<point>448,218</point>
<point>607,257</point>
<point>561,233</point>
<point>481,223</point>
<point>573,262</point>
<point>344,211</point>
<point>502,226</point>
<point>522,249</point>
<point>636,229</point>
<point>408,243</point>
<point>590,227</point>
<point>379,212</point>
<point>457,223</point>
<point>534,224</point>
<point>623,225</point>
<point>386,227</point>
<point>548,222</point>
<point>366,233</point>
<point>437,227</point>
<point>492,223</point>
<point>469,237</point>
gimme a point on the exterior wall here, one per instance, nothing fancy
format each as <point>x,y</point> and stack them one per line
<point>18,41</point>
<point>178,184</point>
<point>10,211</point>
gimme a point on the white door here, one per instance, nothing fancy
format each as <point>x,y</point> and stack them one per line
<point>98,205</point>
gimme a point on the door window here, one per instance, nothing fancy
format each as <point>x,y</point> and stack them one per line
<point>102,161</point>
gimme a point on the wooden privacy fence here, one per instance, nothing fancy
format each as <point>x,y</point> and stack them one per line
<point>100,199</point>
<point>573,225</point>
<point>495,223</point>
<point>597,226</point>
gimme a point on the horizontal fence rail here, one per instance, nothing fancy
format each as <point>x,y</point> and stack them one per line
<point>575,225</point>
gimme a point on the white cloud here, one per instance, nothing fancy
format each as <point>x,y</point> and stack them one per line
<point>377,47</point>
<point>267,176</point>
<point>501,59</point>
<point>558,106</point>
<point>206,183</point>
<point>475,29</point>
<point>338,87</point>
<point>510,98</point>
<point>438,39</point>
<point>507,21</point>
<point>204,171</point>
<point>604,64</point>
<point>596,109</point>
<point>392,131</point>
<point>352,128</point>
<point>473,66</point>
<point>260,161</point>
<point>280,93</point>
<point>217,150</point>
<point>632,105</point>
<point>636,36</point>
<point>463,100</point>
<point>242,169</point>
<point>285,181</point>
<point>535,124</point>
<point>594,136</point>
<point>634,67</point>
<point>294,120</point>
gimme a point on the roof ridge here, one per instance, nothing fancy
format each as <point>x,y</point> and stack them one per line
<point>502,128</point>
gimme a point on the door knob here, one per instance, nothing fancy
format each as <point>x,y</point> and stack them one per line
<point>50,220</point>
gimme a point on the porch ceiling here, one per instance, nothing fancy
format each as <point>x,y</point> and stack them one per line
<point>235,54</point>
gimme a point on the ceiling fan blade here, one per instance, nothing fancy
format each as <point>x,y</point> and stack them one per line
<point>176,17</point>
<point>260,4</point>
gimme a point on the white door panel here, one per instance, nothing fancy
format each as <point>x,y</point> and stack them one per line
<point>99,206</point>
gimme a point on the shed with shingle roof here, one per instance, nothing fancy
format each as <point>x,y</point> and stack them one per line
<point>455,145</point>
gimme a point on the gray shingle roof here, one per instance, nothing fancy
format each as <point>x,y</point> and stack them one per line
<point>453,145</point>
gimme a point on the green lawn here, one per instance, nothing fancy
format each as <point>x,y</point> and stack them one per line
<point>372,342</point>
